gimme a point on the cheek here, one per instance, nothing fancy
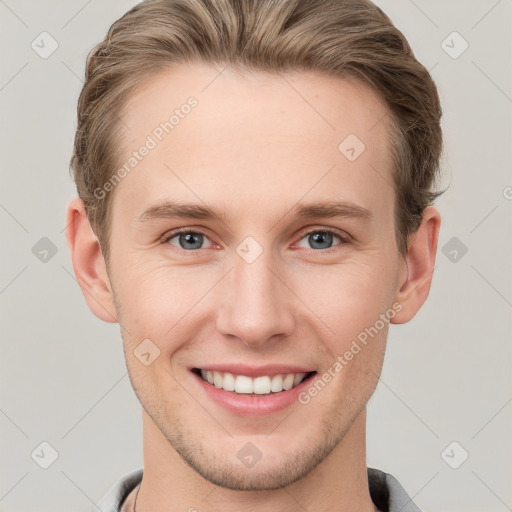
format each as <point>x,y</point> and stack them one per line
<point>347,298</point>
<point>157,300</point>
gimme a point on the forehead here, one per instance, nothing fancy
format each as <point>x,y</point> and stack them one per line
<point>251,135</point>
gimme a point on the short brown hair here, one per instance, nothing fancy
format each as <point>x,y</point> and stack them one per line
<point>352,39</point>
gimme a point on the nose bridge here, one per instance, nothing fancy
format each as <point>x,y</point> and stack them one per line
<point>256,305</point>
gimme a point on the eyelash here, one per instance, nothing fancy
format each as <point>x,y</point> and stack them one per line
<point>344,239</point>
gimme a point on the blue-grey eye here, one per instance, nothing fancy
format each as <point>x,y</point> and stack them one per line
<point>320,239</point>
<point>189,241</point>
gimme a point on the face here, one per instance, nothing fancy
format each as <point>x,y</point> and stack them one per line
<point>288,255</point>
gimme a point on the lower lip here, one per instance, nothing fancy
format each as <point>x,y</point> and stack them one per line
<point>253,405</point>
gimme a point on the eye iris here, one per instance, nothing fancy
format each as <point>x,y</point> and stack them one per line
<point>321,237</point>
<point>318,240</point>
<point>195,239</point>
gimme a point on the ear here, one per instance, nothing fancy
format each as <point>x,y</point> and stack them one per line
<point>89,263</point>
<point>418,267</point>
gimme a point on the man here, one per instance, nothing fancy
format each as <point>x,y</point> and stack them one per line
<point>255,183</point>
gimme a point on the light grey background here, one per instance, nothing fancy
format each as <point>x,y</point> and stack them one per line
<point>447,375</point>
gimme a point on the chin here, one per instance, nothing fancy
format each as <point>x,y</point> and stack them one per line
<point>263,472</point>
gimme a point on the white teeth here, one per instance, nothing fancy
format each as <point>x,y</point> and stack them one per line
<point>229,382</point>
<point>246,385</point>
<point>261,385</point>
<point>217,379</point>
<point>288,381</point>
<point>243,384</point>
<point>277,383</point>
<point>298,378</point>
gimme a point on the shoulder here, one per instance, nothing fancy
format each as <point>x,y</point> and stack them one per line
<point>388,494</point>
<point>118,493</point>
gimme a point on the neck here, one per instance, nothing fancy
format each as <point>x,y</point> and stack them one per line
<point>339,483</point>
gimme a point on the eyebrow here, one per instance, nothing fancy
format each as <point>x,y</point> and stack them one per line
<point>330,209</point>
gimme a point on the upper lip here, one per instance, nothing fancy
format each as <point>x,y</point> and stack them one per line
<point>255,371</point>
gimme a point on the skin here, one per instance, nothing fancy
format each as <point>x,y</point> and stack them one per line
<point>255,146</point>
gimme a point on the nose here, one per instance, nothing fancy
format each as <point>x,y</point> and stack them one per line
<point>256,302</point>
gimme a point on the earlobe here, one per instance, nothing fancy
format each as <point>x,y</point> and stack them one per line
<point>418,267</point>
<point>89,263</point>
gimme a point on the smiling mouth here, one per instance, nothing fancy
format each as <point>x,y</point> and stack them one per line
<point>261,385</point>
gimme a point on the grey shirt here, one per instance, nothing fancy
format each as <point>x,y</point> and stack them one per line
<point>385,490</point>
